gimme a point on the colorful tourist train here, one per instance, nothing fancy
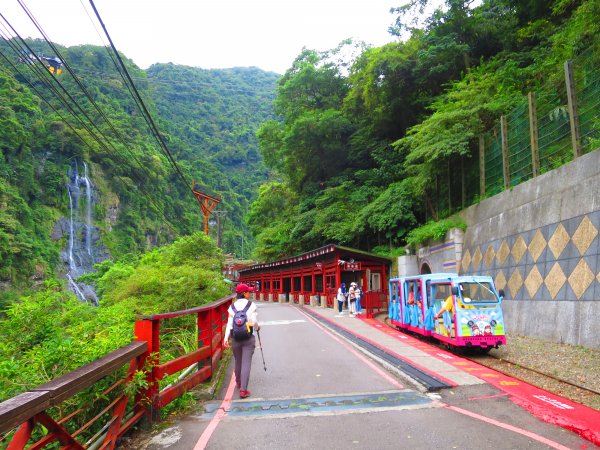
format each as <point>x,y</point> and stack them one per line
<point>460,311</point>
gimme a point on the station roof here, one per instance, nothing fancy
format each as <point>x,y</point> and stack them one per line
<point>318,254</point>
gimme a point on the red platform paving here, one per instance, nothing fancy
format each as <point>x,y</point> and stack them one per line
<point>543,404</point>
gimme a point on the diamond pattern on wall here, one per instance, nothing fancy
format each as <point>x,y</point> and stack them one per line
<point>519,249</point>
<point>477,258</point>
<point>503,252</point>
<point>515,282</point>
<point>555,280</point>
<point>555,270</point>
<point>558,241</point>
<point>581,278</point>
<point>490,254</point>
<point>500,280</point>
<point>466,261</point>
<point>533,281</point>
<point>585,234</point>
<point>537,245</point>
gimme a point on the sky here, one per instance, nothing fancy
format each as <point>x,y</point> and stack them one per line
<point>268,34</point>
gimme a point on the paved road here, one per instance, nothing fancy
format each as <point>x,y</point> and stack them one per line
<point>320,392</point>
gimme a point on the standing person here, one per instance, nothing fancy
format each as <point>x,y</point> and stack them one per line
<point>352,299</point>
<point>341,297</point>
<point>241,322</point>
<point>358,296</point>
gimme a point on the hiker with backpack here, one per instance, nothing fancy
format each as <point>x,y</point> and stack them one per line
<point>242,321</point>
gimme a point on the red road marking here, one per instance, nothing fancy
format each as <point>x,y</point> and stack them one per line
<point>212,426</point>
<point>506,426</point>
<point>544,405</point>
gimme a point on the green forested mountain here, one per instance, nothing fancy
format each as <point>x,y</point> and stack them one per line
<point>369,148</point>
<point>207,118</point>
<point>212,117</point>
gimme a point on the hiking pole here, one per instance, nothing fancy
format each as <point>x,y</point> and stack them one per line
<point>261,352</point>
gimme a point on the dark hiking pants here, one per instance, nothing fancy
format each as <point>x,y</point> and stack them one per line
<point>242,353</point>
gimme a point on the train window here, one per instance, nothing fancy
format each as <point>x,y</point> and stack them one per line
<point>476,292</point>
<point>411,293</point>
<point>429,290</point>
<point>441,291</point>
<point>395,290</point>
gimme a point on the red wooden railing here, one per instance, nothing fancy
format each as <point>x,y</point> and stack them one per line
<point>45,415</point>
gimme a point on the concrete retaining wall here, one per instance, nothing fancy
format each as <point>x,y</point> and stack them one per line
<point>540,242</point>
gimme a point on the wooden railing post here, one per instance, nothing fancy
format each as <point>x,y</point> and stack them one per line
<point>573,110</point>
<point>505,158</point>
<point>533,134</point>
<point>149,330</point>
<point>481,167</point>
<point>204,336</point>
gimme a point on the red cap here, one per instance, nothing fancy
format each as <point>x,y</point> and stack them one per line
<point>241,288</point>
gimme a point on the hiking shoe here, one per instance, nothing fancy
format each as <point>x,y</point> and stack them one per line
<point>244,394</point>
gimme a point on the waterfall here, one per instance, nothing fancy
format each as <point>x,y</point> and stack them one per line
<point>88,212</point>
<point>80,251</point>
<point>71,231</point>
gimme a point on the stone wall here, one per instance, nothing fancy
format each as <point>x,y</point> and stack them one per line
<point>439,257</point>
<point>540,243</point>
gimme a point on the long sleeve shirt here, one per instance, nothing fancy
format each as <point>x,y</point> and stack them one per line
<point>240,304</point>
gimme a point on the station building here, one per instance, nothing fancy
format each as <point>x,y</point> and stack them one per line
<point>315,276</point>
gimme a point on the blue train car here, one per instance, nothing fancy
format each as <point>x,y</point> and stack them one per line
<point>461,311</point>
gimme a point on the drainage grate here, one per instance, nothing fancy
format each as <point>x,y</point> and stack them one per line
<point>314,405</point>
<point>430,382</point>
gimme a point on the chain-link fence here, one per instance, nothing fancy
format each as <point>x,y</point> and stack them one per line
<point>535,137</point>
<point>588,95</point>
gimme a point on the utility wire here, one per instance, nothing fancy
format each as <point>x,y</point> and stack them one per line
<point>88,95</point>
<point>150,121</point>
<point>43,75</point>
<point>80,84</point>
<point>128,82</point>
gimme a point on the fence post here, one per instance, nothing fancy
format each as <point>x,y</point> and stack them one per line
<point>481,166</point>
<point>149,330</point>
<point>573,112</point>
<point>505,160</point>
<point>533,134</point>
<point>463,182</point>
<point>449,184</point>
<point>203,323</point>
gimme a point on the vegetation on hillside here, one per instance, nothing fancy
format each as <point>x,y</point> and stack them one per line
<point>365,146</point>
<point>50,333</point>
<point>207,117</point>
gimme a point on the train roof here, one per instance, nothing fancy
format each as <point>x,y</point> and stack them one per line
<point>444,276</point>
<point>428,276</point>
